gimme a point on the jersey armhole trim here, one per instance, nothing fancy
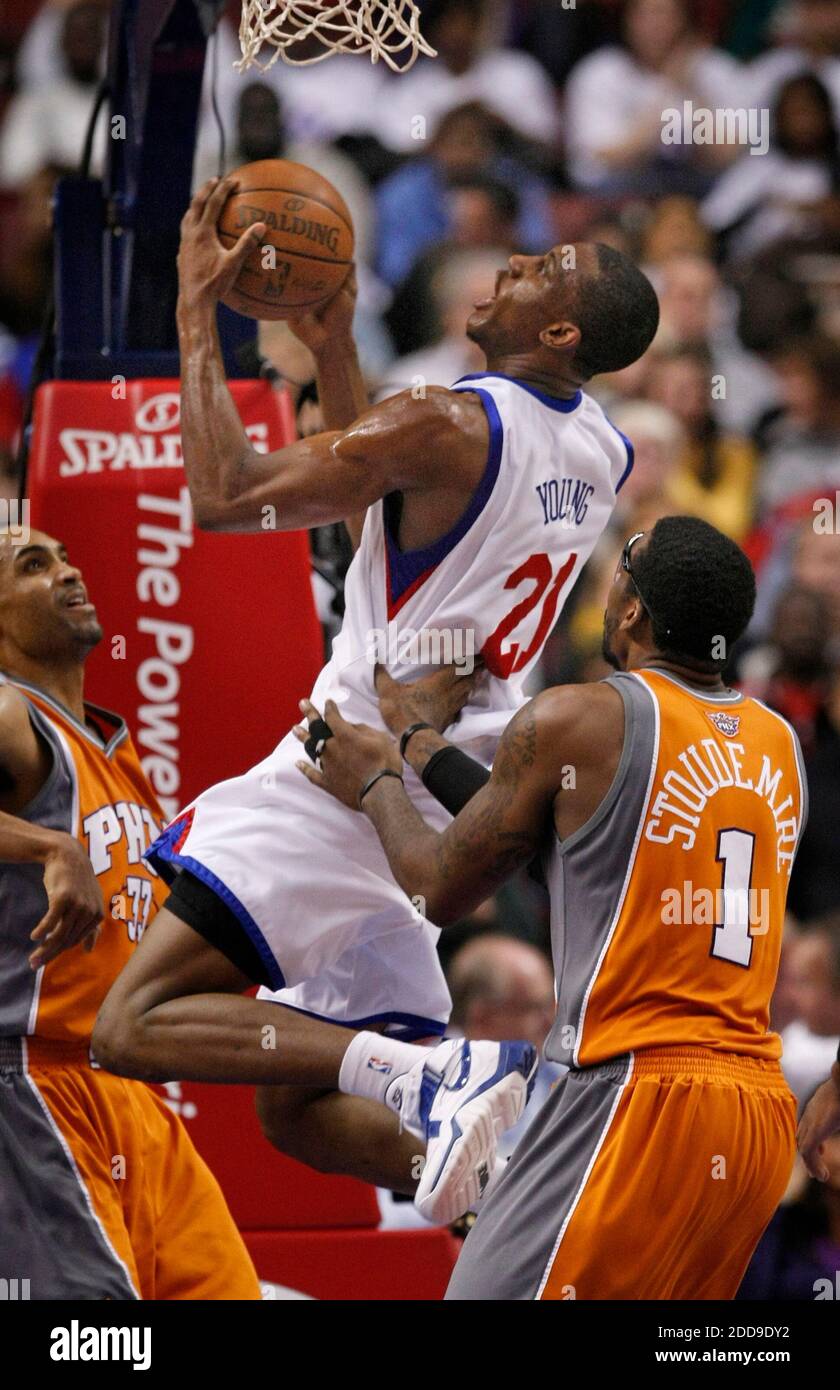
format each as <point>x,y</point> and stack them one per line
<point>620,776</point>
<point>407,570</point>
<point>631,455</point>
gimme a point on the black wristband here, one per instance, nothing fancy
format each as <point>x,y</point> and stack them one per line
<point>412,729</point>
<point>371,782</point>
<point>453,778</point>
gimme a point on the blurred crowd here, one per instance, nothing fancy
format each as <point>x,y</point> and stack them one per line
<point>539,123</point>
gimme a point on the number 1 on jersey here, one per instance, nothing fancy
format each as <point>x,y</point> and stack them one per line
<point>732,940</point>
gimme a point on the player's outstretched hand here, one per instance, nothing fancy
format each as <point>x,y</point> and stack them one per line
<point>332,322</point>
<point>436,699</point>
<point>350,756</point>
<point>820,1120</point>
<point>75,908</point>
<point>206,270</point>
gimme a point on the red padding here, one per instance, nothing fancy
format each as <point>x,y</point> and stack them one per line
<point>357,1265</point>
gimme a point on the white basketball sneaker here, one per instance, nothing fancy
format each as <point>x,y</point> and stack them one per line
<point>460,1099</point>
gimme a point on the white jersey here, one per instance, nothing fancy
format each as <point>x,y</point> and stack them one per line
<point>496,582</point>
<point>307,878</point>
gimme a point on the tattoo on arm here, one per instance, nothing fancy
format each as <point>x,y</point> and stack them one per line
<point>495,834</point>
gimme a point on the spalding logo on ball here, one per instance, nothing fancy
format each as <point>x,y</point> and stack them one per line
<point>306,252</point>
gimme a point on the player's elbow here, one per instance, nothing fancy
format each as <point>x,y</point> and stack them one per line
<point>438,906</point>
<point>209,515</point>
<point>118,1041</point>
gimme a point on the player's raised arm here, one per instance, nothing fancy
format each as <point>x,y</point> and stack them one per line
<point>500,829</point>
<point>440,441</point>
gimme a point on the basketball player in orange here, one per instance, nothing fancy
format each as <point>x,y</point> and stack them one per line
<point>668,809</point>
<point>102,1195</point>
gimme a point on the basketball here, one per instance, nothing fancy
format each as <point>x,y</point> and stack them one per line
<point>305,255</point>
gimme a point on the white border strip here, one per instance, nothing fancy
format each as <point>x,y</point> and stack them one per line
<point>71,1160</point>
<point>584,1180</point>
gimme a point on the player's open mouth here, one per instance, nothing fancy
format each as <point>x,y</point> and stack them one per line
<point>484,303</point>
<point>78,600</point>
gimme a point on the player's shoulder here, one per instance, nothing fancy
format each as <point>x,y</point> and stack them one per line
<point>570,713</point>
<point>14,707</point>
<point>572,704</point>
<point>771,724</point>
<point>17,738</point>
<point>435,414</point>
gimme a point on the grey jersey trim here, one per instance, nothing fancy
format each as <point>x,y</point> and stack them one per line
<point>799,759</point>
<point>620,1089</point>
<point>119,735</point>
<point>631,864</point>
<point>611,796</point>
<point>725,697</point>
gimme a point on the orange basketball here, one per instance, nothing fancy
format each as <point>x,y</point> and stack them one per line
<point>307,249</point>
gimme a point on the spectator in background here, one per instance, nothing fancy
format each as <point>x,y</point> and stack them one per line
<point>416,207</point>
<point>324,102</point>
<point>792,671</point>
<point>791,193</point>
<point>675,230</point>
<point>615,99</point>
<point>809,1045</point>
<point>501,988</point>
<point>715,475</point>
<point>697,309</point>
<point>25,279</point>
<point>815,880</point>
<point>39,60</point>
<point>461,279</point>
<point>802,446</point>
<point>260,132</point>
<point>802,1243</point>
<point>482,216</point>
<point>48,124</point>
<point>560,34</point>
<point>510,83</point>
<point>809,35</point>
<point>659,441</point>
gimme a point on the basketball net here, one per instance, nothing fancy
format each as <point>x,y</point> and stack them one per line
<point>386,29</point>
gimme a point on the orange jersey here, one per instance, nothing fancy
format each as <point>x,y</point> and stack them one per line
<point>668,905</point>
<point>97,791</point>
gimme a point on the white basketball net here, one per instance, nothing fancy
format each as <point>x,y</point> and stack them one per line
<point>387,29</point>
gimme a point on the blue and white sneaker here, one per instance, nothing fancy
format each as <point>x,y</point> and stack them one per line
<point>463,1097</point>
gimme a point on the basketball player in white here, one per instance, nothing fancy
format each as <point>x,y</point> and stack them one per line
<point>482,505</point>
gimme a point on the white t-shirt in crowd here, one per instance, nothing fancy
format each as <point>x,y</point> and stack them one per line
<point>608,92</point>
<point>764,190</point>
<point>512,84</point>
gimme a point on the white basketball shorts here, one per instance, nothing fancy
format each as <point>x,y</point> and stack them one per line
<point>309,883</point>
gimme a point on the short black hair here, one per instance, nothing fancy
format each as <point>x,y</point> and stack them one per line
<point>617,312</point>
<point>698,587</point>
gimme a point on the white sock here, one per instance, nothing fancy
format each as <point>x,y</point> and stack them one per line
<point>372,1063</point>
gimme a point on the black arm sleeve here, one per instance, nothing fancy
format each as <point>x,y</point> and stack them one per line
<point>453,778</point>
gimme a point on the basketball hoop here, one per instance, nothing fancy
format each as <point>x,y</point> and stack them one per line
<point>386,29</point>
